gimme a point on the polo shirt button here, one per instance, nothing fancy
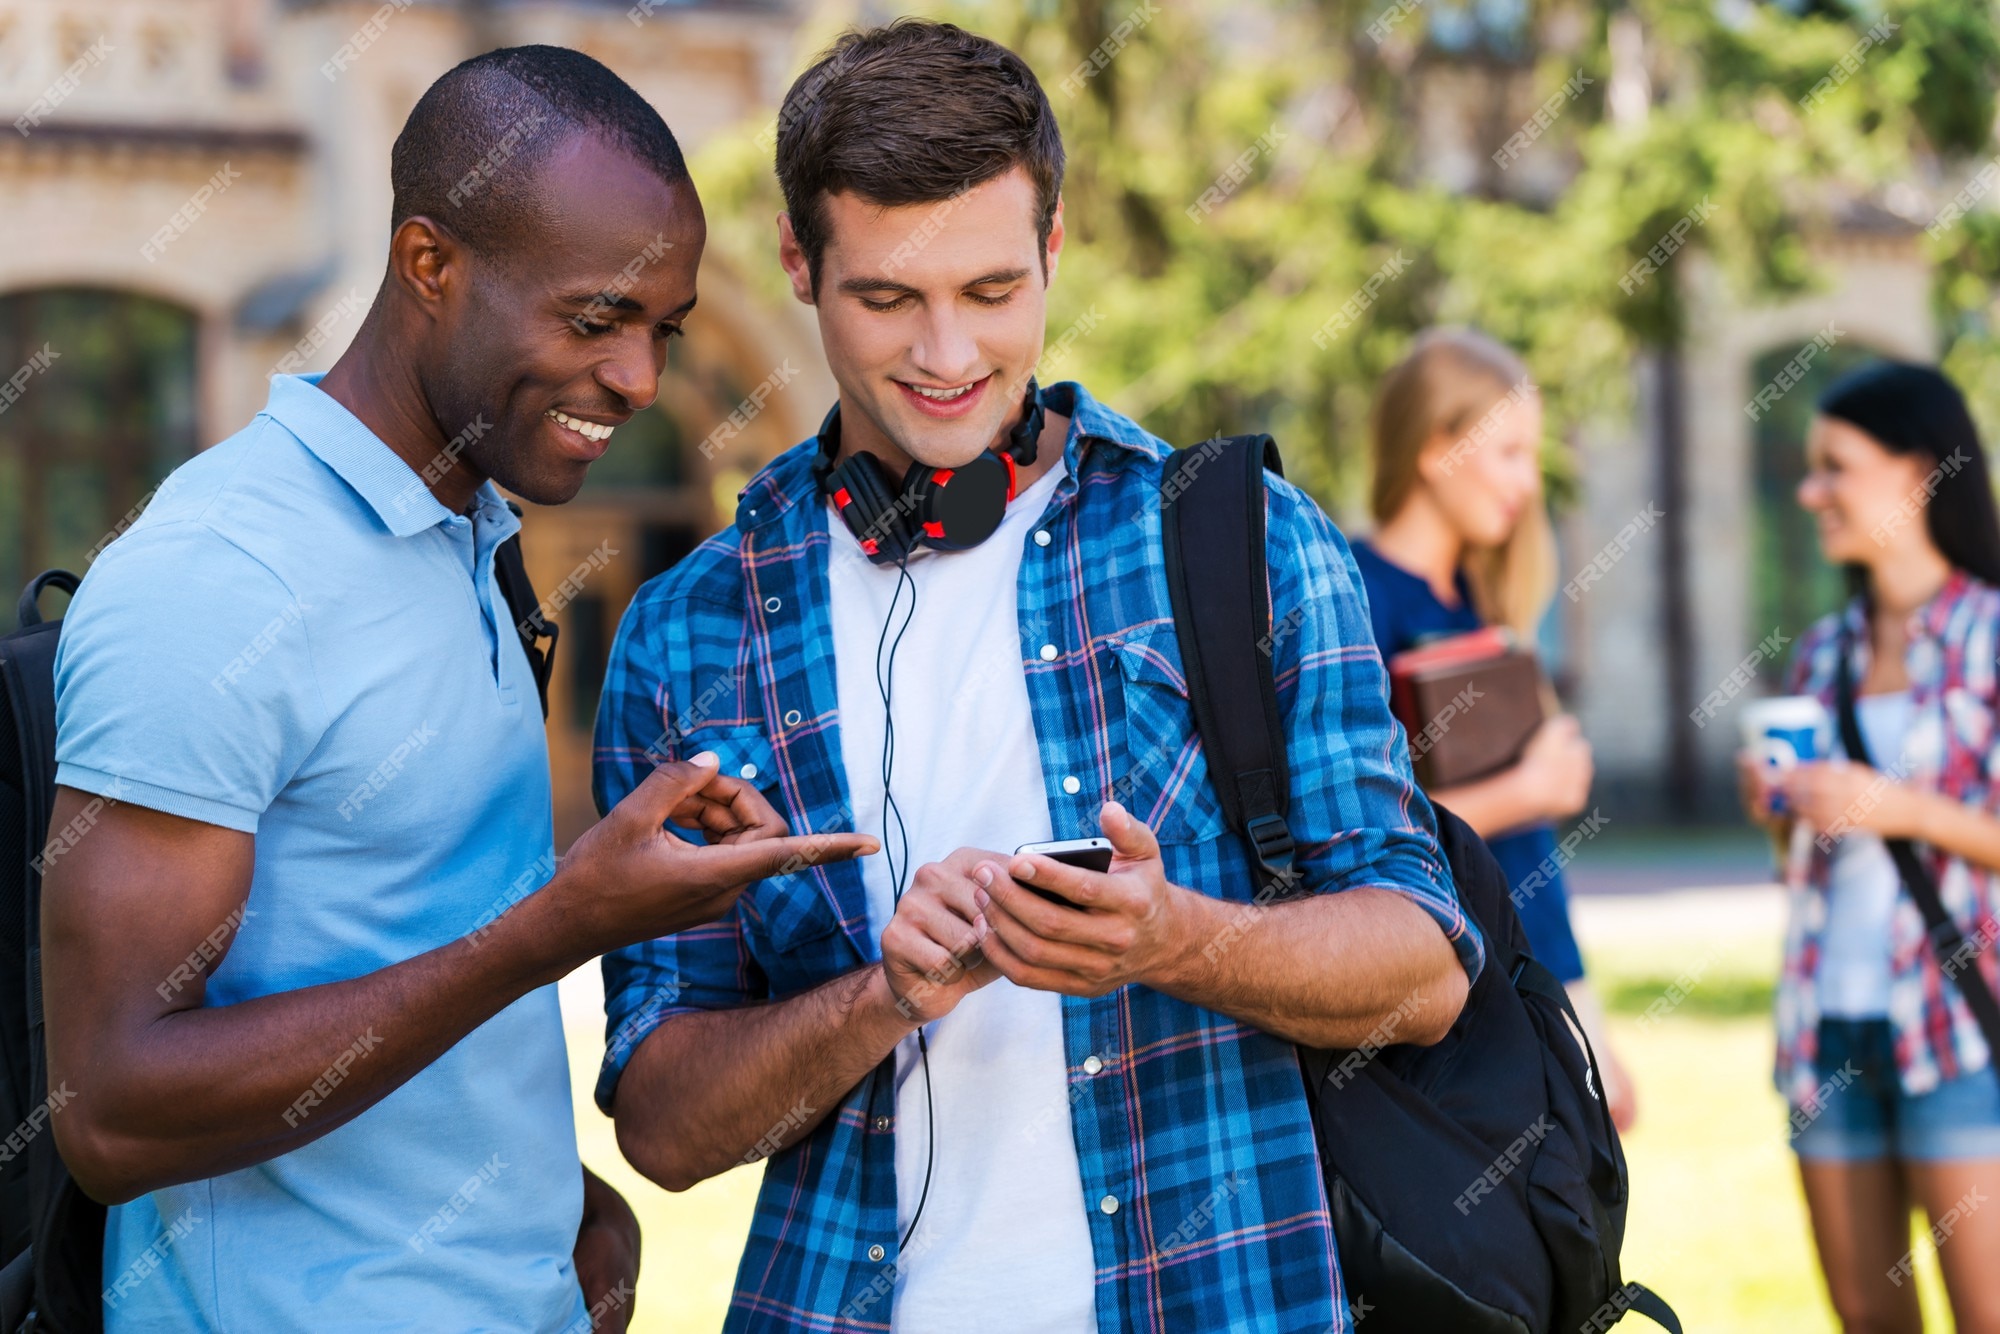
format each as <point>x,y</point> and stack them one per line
<point>876,1252</point>
<point>1091,1065</point>
<point>1048,653</point>
<point>749,771</point>
<point>881,1123</point>
<point>772,604</point>
<point>1109,1204</point>
<point>1071,785</point>
<point>792,718</point>
<point>1042,537</point>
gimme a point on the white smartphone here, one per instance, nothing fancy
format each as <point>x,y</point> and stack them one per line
<point>1092,854</point>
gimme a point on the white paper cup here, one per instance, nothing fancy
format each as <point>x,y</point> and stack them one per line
<point>1784,731</point>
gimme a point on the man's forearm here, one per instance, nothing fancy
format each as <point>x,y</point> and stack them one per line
<point>1335,970</point>
<point>207,1090</point>
<point>705,1092</point>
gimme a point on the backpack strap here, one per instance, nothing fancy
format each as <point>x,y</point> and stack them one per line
<point>533,627</point>
<point>29,611</point>
<point>1954,954</point>
<point>1638,1297</point>
<point>1212,523</point>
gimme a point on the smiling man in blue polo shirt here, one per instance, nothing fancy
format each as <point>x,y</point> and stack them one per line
<point>300,974</point>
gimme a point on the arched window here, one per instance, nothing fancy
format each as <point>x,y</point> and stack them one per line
<point>1792,584</point>
<point>97,405</point>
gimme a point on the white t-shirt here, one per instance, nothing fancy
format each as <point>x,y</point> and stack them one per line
<point>1004,1244</point>
<point>1853,981</point>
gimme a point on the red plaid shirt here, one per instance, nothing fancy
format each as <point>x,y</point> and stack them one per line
<point>1952,747</point>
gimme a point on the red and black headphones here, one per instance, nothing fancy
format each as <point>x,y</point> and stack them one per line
<point>945,509</point>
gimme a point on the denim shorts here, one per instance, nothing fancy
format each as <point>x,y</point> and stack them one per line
<point>1863,1113</point>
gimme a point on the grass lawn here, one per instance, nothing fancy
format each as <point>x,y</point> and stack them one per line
<point>1717,1224</point>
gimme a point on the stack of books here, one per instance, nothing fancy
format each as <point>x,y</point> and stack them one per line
<point>1469,703</point>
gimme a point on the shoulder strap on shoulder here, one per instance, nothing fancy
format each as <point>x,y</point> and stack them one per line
<point>1212,522</point>
<point>1955,954</point>
<point>526,609</point>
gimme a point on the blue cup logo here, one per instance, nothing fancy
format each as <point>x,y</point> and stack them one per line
<point>1782,747</point>
<point>1786,731</point>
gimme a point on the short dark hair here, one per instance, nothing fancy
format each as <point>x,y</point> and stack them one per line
<point>470,152</point>
<point>913,113</point>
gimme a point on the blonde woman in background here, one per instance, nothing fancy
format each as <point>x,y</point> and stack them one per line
<point>1462,541</point>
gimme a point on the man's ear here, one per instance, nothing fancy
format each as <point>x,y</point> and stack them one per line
<point>1055,242</point>
<point>428,263</point>
<point>794,260</point>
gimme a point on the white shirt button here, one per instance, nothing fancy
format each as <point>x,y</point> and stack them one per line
<point>772,604</point>
<point>792,718</point>
<point>748,771</point>
<point>1109,1204</point>
<point>1048,653</point>
<point>1042,537</point>
<point>1072,785</point>
<point>876,1252</point>
<point>1091,1065</point>
<point>881,1123</point>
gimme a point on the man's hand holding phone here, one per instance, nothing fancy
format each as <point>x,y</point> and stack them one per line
<point>1127,923</point>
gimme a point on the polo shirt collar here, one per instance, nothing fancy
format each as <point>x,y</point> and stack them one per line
<point>385,483</point>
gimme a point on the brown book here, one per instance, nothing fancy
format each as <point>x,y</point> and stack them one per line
<point>1468,703</point>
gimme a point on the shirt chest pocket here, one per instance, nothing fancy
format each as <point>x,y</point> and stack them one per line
<point>1165,778</point>
<point>793,910</point>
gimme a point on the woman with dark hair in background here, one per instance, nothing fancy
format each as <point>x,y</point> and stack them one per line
<point>1894,1096</point>
<point>1462,541</point>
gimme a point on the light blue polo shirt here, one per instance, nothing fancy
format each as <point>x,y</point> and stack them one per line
<point>298,641</point>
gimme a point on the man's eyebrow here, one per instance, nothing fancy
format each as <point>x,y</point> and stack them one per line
<point>606,300</point>
<point>999,276</point>
<point>866,284</point>
<point>609,300</point>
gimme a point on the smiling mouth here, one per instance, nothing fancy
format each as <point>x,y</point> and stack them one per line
<point>943,395</point>
<point>592,431</point>
<point>946,403</point>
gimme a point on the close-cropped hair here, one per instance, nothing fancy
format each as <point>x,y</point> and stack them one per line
<point>469,156</point>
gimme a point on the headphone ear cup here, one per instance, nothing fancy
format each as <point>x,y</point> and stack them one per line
<point>860,492</point>
<point>957,508</point>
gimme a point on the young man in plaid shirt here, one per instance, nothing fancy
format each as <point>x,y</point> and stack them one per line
<point>1103,1125</point>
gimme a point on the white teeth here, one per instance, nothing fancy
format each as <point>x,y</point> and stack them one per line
<point>944,395</point>
<point>588,430</point>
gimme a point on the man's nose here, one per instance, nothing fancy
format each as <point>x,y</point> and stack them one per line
<point>633,371</point>
<point>946,351</point>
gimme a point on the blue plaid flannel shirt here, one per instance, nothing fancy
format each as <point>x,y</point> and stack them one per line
<point>1196,1123</point>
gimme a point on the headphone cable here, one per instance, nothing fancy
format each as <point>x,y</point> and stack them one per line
<point>885,675</point>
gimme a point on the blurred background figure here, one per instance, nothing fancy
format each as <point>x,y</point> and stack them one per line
<point>1462,541</point>
<point>1895,1099</point>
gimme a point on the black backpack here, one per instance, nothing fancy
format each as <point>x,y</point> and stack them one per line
<point>1476,1185</point>
<point>51,1233</point>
